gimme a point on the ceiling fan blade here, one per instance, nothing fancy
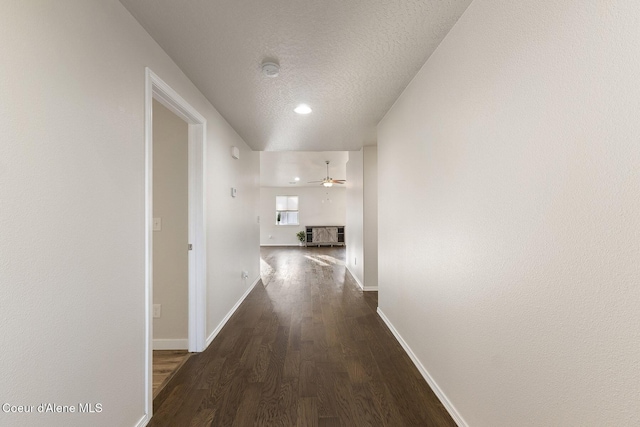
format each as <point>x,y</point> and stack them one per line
<point>328,179</point>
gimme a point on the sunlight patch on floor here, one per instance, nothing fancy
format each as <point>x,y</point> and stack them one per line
<point>317,261</point>
<point>266,272</point>
<point>331,259</point>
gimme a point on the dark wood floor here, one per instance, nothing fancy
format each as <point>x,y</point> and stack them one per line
<point>306,350</point>
<point>166,363</point>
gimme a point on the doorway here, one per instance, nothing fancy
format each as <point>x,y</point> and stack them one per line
<point>170,245</point>
<point>158,91</point>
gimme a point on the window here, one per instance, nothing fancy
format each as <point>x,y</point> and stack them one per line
<point>286,210</point>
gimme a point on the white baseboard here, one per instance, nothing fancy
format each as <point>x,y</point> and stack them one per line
<point>434,386</point>
<point>143,421</point>
<point>281,244</point>
<point>229,314</point>
<point>355,278</point>
<point>170,344</point>
<point>362,286</point>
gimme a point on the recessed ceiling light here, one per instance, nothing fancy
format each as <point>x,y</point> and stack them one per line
<point>302,109</point>
<point>297,178</point>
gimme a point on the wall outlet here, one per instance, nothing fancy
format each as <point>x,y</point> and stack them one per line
<point>157,310</point>
<point>157,224</point>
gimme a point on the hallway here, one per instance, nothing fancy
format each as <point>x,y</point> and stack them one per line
<point>307,349</point>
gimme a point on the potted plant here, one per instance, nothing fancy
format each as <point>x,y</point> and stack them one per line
<point>302,236</point>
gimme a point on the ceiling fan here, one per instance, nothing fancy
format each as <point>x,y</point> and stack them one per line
<point>328,181</point>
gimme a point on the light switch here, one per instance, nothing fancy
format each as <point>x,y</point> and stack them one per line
<point>157,224</point>
<point>157,310</point>
<point>234,192</point>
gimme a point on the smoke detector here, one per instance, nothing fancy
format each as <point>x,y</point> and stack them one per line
<point>270,69</point>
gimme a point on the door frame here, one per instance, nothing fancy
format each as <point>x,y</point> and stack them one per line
<point>156,88</point>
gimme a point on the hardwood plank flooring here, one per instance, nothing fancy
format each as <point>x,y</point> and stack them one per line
<point>307,349</point>
<point>165,364</point>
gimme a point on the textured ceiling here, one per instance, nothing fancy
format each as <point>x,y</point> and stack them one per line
<point>278,169</point>
<point>348,59</point>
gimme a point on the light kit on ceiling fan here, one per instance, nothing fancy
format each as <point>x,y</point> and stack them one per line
<point>328,181</point>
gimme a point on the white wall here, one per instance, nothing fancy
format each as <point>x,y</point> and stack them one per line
<point>355,220</point>
<point>370,216</point>
<point>312,211</point>
<point>362,217</point>
<point>233,231</point>
<point>72,79</point>
<point>170,204</point>
<point>510,214</point>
